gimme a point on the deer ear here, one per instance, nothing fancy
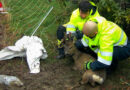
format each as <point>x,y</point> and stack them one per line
<point>74,39</point>
<point>70,35</point>
<point>65,35</point>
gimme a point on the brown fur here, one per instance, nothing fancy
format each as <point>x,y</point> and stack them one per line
<point>79,60</point>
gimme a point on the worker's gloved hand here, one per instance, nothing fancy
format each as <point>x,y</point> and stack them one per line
<point>87,65</point>
<point>79,44</point>
<point>79,34</point>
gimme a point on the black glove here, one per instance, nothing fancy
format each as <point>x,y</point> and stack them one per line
<point>79,44</point>
<point>79,34</point>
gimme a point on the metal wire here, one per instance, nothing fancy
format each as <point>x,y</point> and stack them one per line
<point>42,21</point>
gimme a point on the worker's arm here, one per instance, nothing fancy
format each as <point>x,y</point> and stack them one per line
<point>97,65</point>
<point>71,26</point>
<point>105,54</point>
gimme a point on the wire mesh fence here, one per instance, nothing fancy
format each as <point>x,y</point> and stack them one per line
<point>25,17</point>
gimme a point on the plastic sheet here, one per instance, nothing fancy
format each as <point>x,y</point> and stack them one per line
<point>28,46</point>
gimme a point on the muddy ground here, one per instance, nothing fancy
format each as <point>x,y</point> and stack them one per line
<point>58,75</point>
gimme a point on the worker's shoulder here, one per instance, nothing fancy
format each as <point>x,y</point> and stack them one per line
<point>111,26</point>
<point>98,19</point>
<point>110,29</point>
<point>75,13</point>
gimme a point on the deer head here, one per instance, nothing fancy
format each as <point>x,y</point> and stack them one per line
<point>69,45</point>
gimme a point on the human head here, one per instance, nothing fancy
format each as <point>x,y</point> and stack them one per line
<point>84,8</point>
<point>90,29</point>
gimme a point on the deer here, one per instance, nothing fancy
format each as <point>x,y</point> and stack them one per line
<point>80,58</point>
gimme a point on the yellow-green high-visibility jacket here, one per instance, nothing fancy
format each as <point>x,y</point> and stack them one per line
<point>109,35</point>
<point>76,22</point>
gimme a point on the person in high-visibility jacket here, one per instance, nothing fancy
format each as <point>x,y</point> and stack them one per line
<point>107,40</point>
<point>79,16</point>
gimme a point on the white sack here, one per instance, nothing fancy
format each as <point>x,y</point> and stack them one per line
<point>29,46</point>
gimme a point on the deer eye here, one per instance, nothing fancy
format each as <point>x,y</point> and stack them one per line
<point>70,48</point>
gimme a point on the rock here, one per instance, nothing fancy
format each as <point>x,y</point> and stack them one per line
<point>10,80</point>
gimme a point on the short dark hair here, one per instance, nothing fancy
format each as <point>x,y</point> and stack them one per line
<point>84,6</point>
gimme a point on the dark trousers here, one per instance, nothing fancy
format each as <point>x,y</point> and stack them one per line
<point>61,32</point>
<point>60,35</point>
<point>119,53</point>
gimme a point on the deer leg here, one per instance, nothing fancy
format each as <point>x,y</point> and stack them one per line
<point>93,83</point>
<point>74,68</point>
<point>84,80</point>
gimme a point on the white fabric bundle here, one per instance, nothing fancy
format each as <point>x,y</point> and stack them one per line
<point>28,46</point>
